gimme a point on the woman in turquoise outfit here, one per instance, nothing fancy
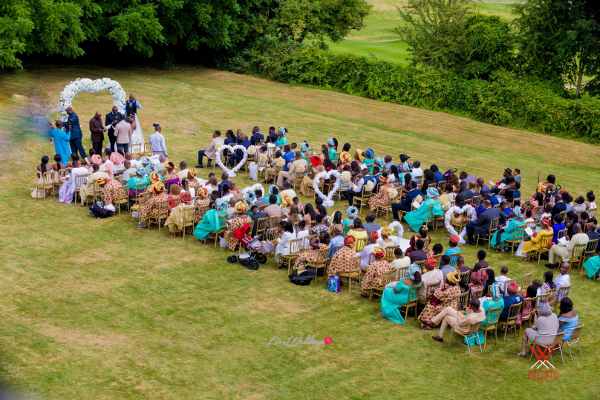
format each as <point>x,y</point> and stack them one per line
<point>352,213</point>
<point>396,296</point>
<point>592,266</point>
<point>332,144</point>
<point>61,141</point>
<point>368,161</point>
<point>281,140</point>
<point>417,218</point>
<point>210,221</point>
<point>494,302</point>
<point>508,232</point>
<point>273,189</point>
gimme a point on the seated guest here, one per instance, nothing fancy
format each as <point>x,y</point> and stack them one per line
<point>460,265</point>
<point>423,235</point>
<point>224,181</point>
<point>418,254</point>
<point>559,205</point>
<point>260,201</point>
<point>454,249</point>
<point>67,189</point>
<point>386,193</point>
<point>365,254</point>
<point>308,257</point>
<point>237,194</point>
<point>568,318</point>
<point>87,190</point>
<point>535,242</point>
<point>428,179</point>
<point>212,185</point>
<point>396,294</point>
<point>203,199</point>
<point>352,212</point>
<point>287,189</point>
<point>565,252</point>
<point>306,188</point>
<point>236,223</point>
<point>211,150</point>
<point>482,225</point>
<point>151,209</point>
<point>511,298</point>
<point>319,226</point>
<point>481,260</point>
<point>358,232</point>
<point>446,267</point>
<point>399,264</point>
<point>545,324</point>
<point>432,277</point>
<point>385,240</point>
<point>376,273</point>
<point>464,191</point>
<point>483,188</point>
<point>487,303</point>
<point>450,316</point>
<point>418,217</point>
<point>129,171</point>
<point>273,189</point>
<point>110,190</point>
<point>256,215</point>
<point>404,205</point>
<point>504,233</point>
<point>256,135</point>
<point>336,238</point>
<point>343,260</point>
<point>502,279</point>
<point>371,225</point>
<point>210,221</point>
<point>478,278</point>
<point>446,296</point>
<point>273,210</point>
<point>548,283</point>
<point>366,180</point>
<point>563,279</point>
<point>138,179</point>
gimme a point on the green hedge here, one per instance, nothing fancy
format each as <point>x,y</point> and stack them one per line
<point>506,99</point>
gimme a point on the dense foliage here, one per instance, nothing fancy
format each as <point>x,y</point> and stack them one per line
<point>503,99</point>
<point>177,29</point>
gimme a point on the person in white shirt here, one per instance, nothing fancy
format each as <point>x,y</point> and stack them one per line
<point>287,188</point>
<point>183,171</point>
<point>161,162</point>
<point>65,194</point>
<point>129,171</point>
<point>563,279</point>
<point>283,244</point>
<point>417,172</point>
<point>432,277</point>
<point>368,249</point>
<point>502,279</point>
<point>157,141</point>
<point>134,163</point>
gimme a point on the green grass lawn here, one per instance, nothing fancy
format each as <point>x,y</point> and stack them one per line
<point>97,309</point>
<point>377,39</point>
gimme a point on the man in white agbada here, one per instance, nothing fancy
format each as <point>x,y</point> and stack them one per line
<point>129,170</point>
<point>65,195</point>
<point>566,251</point>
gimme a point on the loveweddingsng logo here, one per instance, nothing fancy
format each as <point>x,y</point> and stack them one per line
<point>542,361</point>
<point>294,341</point>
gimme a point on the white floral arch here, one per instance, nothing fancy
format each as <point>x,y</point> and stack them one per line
<point>88,85</point>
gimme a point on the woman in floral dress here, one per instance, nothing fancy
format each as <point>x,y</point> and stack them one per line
<point>150,210</point>
<point>343,259</point>
<point>313,256</point>
<point>375,275</point>
<point>386,194</point>
<point>235,224</point>
<point>443,297</point>
<point>110,193</point>
<point>192,181</point>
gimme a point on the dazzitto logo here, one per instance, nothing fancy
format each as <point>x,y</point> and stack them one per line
<point>542,361</point>
<point>294,341</point>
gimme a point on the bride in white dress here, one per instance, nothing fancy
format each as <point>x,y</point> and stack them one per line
<point>137,137</point>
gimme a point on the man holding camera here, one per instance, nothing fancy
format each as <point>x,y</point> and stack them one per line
<point>75,130</point>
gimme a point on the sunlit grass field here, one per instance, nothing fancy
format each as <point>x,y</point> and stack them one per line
<point>97,309</point>
<point>377,39</point>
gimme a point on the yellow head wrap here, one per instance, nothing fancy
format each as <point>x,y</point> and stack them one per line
<point>157,187</point>
<point>202,192</point>
<point>286,200</point>
<point>154,177</point>
<point>192,172</point>
<point>101,181</point>
<point>453,276</point>
<point>240,208</point>
<point>386,231</point>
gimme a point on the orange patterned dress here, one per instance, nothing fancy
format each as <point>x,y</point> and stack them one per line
<point>375,276</point>
<point>150,210</point>
<point>310,256</point>
<point>341,263</point>
<point>110,191</point>
<point>234,225</point>
<point>447,296</point>
<point>380,199</point>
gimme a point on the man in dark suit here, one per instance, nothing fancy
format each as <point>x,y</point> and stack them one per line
<point>405,204</point>
<point>75,130</point>
<point>559,206</point>
<point>467,194</point>
<point>256,135</point>
<point>112,119</point>
<point>239,154</point>
<point>256,215</point>
<point>482,225</point>
<point>97,131</point>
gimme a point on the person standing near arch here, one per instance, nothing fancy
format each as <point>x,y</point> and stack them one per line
<point>75,130</point>
<point>97,131</point>
<point>132,105</point>
<point>112,118</point>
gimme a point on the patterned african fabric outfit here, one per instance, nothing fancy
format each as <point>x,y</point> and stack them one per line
<point>447,296</point>
<point>375,276</point>
<point>234,225</point>
<point>311,256</point>
<point>150,209</point>
<point>87,190</point>
<point>193,183</point>
<point>417,218</point>
<point>208,224</point>
<point>380,199</point>
<point>111,191</point>
<point>175,220</point>
<point>341,263</point>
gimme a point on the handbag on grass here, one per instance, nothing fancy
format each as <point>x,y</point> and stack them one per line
<point>333,285</point>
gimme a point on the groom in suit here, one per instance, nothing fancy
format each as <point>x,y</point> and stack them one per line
<point>112,119</point>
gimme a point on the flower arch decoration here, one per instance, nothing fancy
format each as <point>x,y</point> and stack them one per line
<point>91,86</point>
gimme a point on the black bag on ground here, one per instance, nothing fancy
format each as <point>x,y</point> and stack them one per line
<point>304,278</point>
<point>99,212</point>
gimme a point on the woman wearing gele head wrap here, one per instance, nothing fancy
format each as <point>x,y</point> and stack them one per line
<point>210,221</point>
<point>445,296</point>
<point>352,213</point>
<point>344,259</point>
<point>317,166</point>
<point>151,209</point>
<point>235,224</point>
<point>110,190</point>
<point>417,218</point>
<point>375,275</point>
<point>396,294</point>
<point>203,197</point>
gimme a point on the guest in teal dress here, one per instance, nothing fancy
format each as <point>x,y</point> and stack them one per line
<point>61,142</point>
<point>332,143</point>
<point>210,221</point>
<point>494,302</point>
<point>273,189</point>
<point>352,213</point>
<point>368,161</point>
<point>568,318</point>
<point>592,266</point>
<point>140,177</point>
<point>417,218</point>
<point>281,140</point>
<point>515,219</point>
<point>396,296</point>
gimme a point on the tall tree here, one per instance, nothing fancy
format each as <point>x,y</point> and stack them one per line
<point>559,40</point>
<point>434,31</point>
